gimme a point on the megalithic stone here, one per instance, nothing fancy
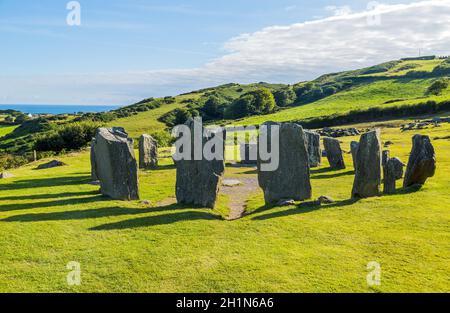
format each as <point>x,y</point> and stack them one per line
<point>368,166</point>
<point>422,162</point>
<point>354,150</point>
<point>148,152</point>
<point>314,150</point>
<point>291,178</point>
<point>198,181</point>
<point>249,153</point>
<point>334,153</point>
<point>393,171</point>
<point>94,176</point>
<point>385,157</point>
<point>115,164</point>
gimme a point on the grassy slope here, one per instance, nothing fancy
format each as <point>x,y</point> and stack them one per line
<point>390,87</point>
<point>5,130</point>
<point>147,122</point>
<point>362,97</point>
<point>49,218</point>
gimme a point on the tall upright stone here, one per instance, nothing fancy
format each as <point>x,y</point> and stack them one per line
<point>291,178</point>
<point>393,171</point>
<point>94,176</point>
<point>198,181</point>
<point>354,145</point>
<point>249,153</point>
<point>314,150</point>
<point>115,164</point>
<point>385,157</point>
<point>368,166</point>
<point>334,153</point>
<point>422,162</point>
<point>148,152</point>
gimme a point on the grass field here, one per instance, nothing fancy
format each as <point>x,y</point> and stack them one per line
<point>5,130</point>
<point>51,217</point>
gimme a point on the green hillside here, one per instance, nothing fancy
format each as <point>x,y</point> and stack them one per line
<point>396,89</point>
<point>397,83</point>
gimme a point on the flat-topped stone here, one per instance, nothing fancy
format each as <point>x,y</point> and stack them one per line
<point>291,179</point>
<point>368,166</point>
<point>334,153</point>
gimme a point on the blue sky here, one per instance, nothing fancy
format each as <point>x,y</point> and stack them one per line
<point>126,50</point>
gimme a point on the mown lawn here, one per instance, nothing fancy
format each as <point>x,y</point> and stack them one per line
<point>51,217</point>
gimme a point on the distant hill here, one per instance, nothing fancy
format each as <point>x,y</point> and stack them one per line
<point>403,82</point>
<point>401,88</point>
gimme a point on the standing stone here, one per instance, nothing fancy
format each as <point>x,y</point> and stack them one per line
<point>334,153</point>
<point>422,162</point>
<point>148,152</point>
<point>354,145</point>
<point>115,164</point>
<point>393,171</point>
<point>368,166</point>
<point>314,151</point>
<point>94,176</point>
<point>249,153</point>
<point>198,181</point>
<point>291,179</point>
<point>385,157</point>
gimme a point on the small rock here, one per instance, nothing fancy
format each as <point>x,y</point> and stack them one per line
<point>5,175</point>
<point>231,182</point>
<point>388,144</point>
<point>146,202</point>
<point>51,164</point>
<point>325,200</point>
<point>286,202</point>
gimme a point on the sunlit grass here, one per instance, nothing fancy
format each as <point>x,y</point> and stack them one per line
<point>51,217</point>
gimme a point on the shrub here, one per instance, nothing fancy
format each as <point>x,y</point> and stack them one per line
<point>177,117</point>
<point>438,86</point>
<point>285,96</point>
<point>68,137</point>
<point>163,138</point>
<point>257,102</point>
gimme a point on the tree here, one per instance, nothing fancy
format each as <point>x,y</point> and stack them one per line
<point>285,96</point>
<point>438,86</point>
<point>212,108</point>
<point>260,101</point>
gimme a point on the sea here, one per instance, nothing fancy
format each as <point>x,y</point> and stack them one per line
<point>58,108</point>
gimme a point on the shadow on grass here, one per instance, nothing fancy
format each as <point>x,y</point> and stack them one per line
<point>163,167</point>
<point>405,191</point>
<point>46,182</point>
<point>49,196</point>
<point>164,219</point>
<point>86,214</point>
<point>55,203</point>
<point>335,175</point>
<point>302,208</point>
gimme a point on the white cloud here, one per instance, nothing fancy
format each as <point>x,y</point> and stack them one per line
<point>277,54</point>
<point>339,10</point>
